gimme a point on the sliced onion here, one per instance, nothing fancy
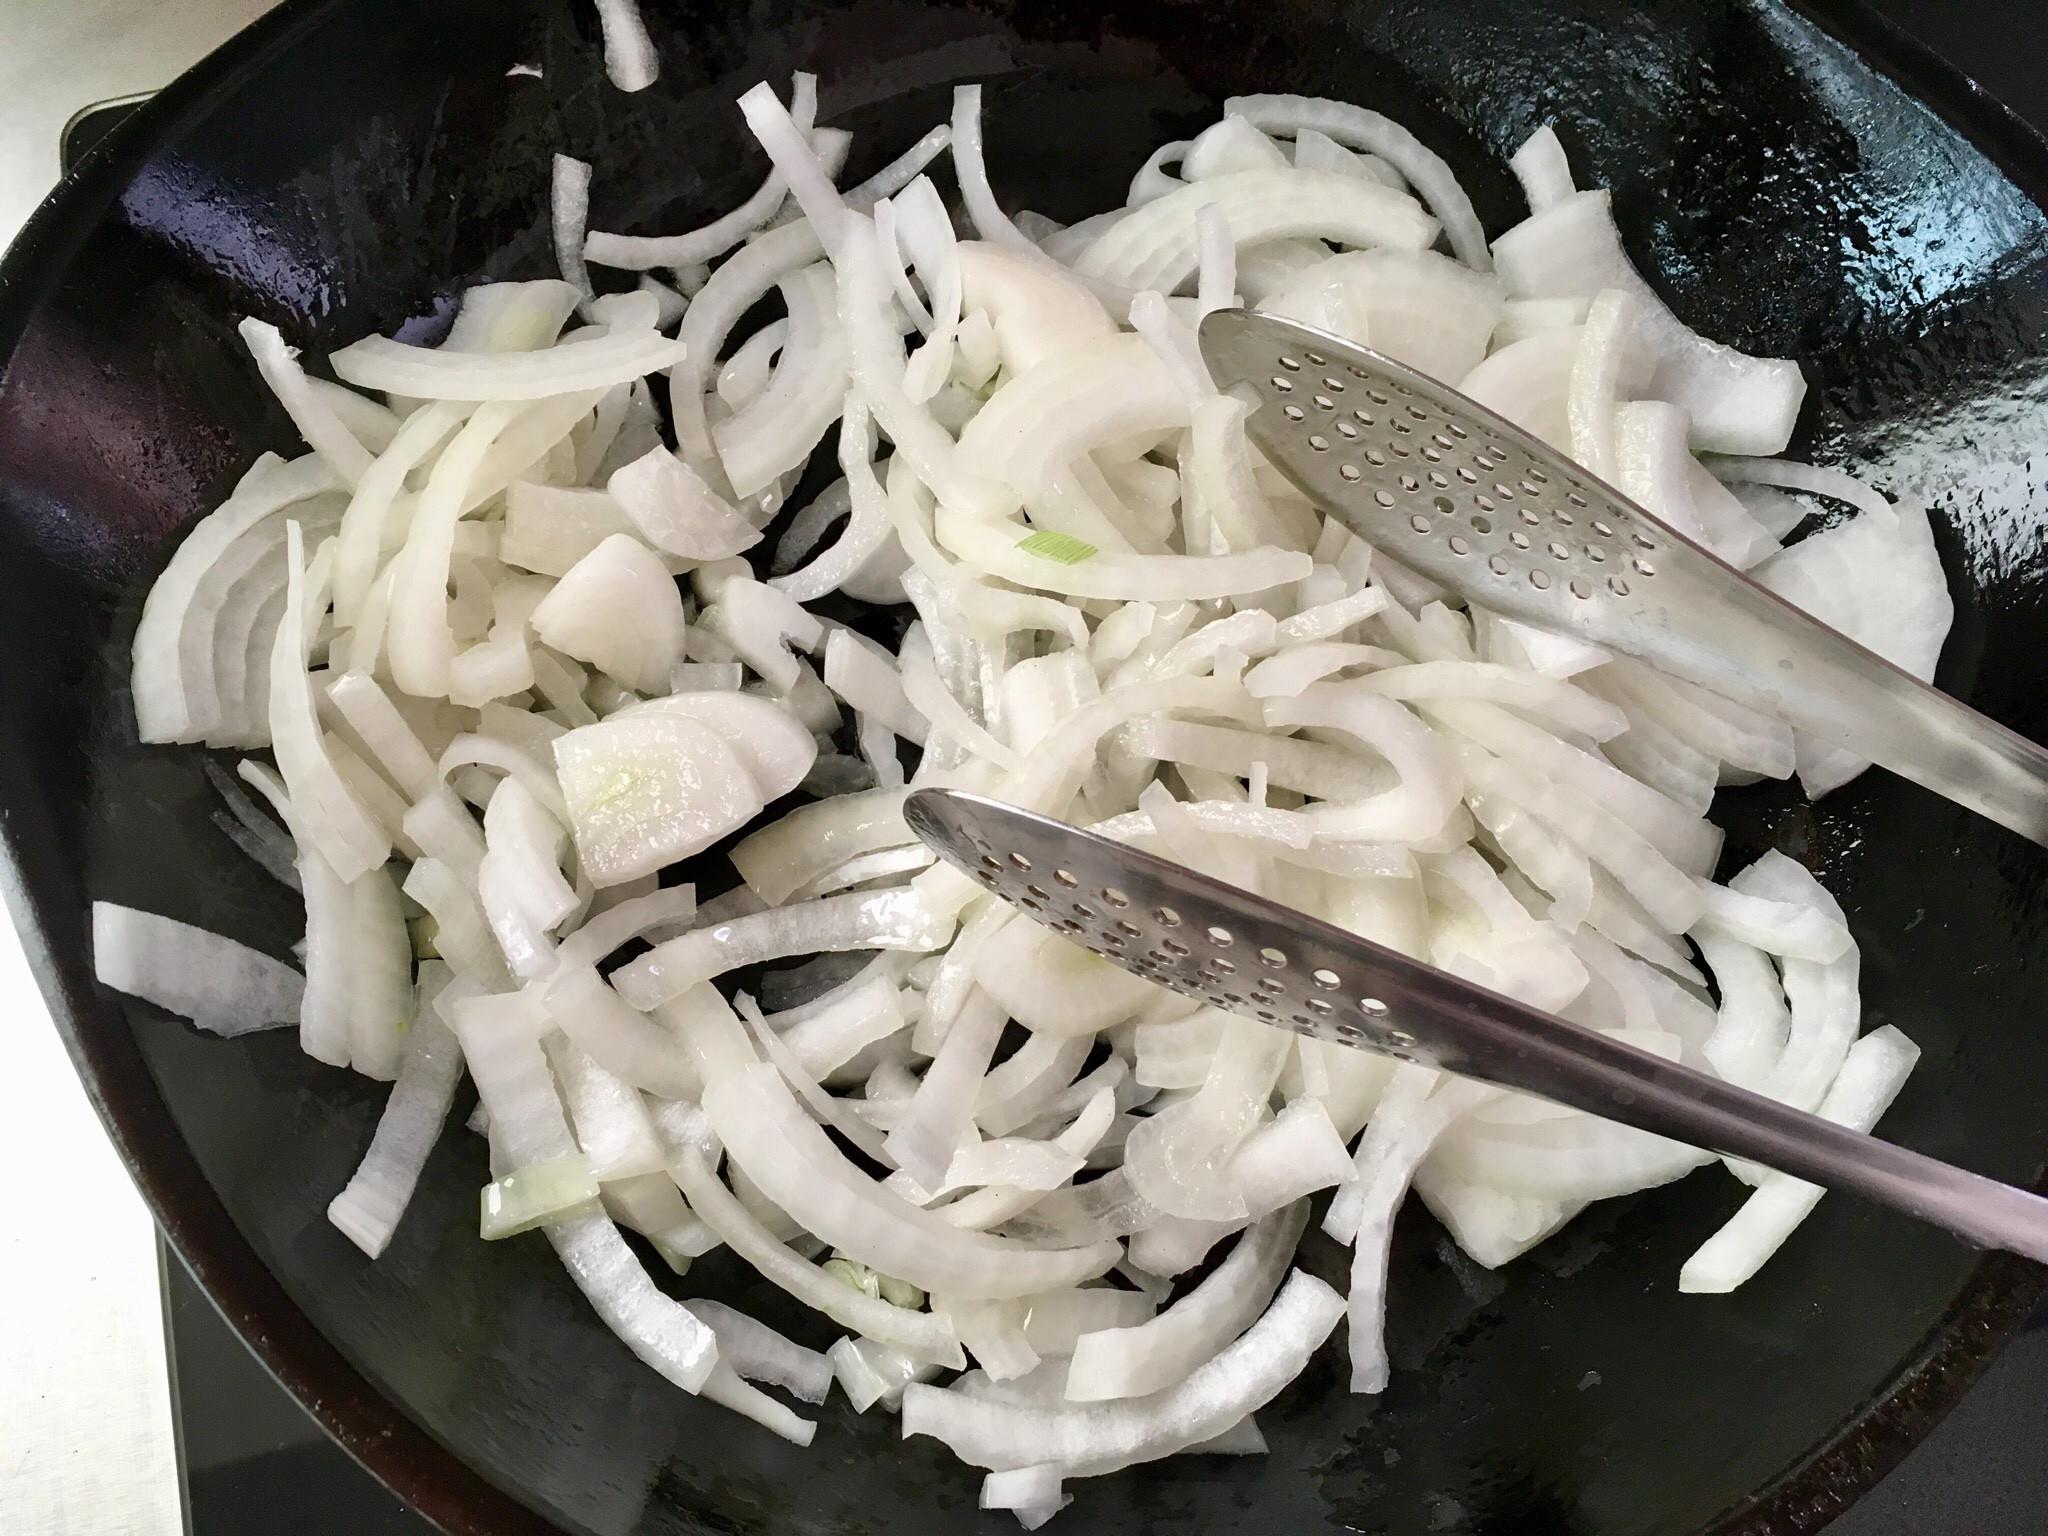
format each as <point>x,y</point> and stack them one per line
<point>1155,1355</point>
<point>1360,129</point>
<point>1090,1441</point>
<point>766,1131</point>
<point>1157,246</point>
<point>223,987</point>
<point>1872,1075</point>
<point>645,790</point>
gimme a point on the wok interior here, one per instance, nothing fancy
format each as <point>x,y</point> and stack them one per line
<point>380,159</point>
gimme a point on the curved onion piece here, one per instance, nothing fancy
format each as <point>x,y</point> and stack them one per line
<point>1753,1022</point>
<point>1037,309</point>
<point>1571,1158</point>
<point>1232,144</point>
<point>1177,1158</point>
<point>646,789</point>
<point>1797,930</point>
<point>761,624</point>
<point>370,1206</point>
<point>1054,987</point>
<point>896,919</point>
<point>1157,246</point>
<point>596,360</point>
<point>1736,403</point>
<point>1418,307</point>
<point>331,816</point>
<point>1653,464</point>
<point>1086,1442</point>
<point>1874,1071</point>
<point>1877,579</point>
<point>704,245</point>
<point>1418,806</point>
<point>162,708</point>
<point>1558,705</point>
<point>528,1124</point>
<point>813,839</point>
<point>1492,1226</point>
<point>1542,169</point>
<point>766,1131</point>
<point>630,62</point>
<point>1823,995</point>
<point>1368,131</point>
<point>759,1353</point>
<point>1007,551</point>
<point>311,412</point>
<point>1154,1355</point>
<point>1529,382</point>
<point>224,987</point>
<point>765,735</point>
<point>618,609</point>
<point>776,432</point>
<point>668,504</point>
<point>928,1134</point>
<point>924,1336</point>
<point>1072,402</point>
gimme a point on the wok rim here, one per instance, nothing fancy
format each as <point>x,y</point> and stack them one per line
<point>399,1452</point>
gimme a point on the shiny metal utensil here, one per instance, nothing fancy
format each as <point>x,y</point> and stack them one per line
<point>1198,936</point>
<point>1476,504</point>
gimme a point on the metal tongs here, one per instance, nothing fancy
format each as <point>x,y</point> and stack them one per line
<point>1482,508</point>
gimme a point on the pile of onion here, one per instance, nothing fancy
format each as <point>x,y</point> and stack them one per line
<point>520,653</point>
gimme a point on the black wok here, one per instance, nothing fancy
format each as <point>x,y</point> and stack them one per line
<point>349,165</point>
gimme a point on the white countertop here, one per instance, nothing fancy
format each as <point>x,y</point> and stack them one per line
<point>87,1445</point>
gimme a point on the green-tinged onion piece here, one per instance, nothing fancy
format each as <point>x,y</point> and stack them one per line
<point>531,1197</point>
<point>1063,548</point>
